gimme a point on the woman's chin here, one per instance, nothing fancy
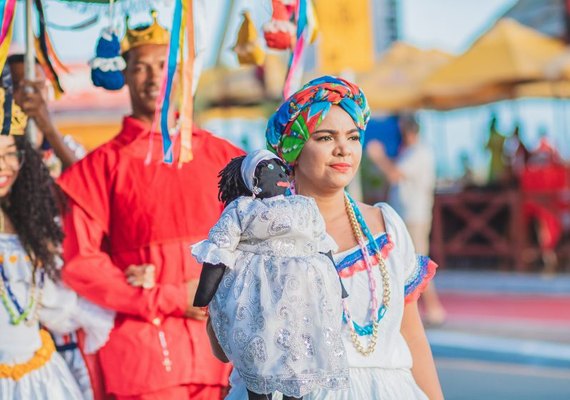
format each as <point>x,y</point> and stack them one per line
<point>337,183</point>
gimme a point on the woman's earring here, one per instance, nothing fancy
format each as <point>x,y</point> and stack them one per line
<point>256,189</point>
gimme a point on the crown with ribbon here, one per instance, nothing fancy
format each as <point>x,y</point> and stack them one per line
<point>139,36</point>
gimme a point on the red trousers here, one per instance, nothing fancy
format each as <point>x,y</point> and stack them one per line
<point>187,392</point>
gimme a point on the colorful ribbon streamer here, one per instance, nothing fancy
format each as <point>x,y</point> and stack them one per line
<point>7,9</point>
<point>306,32</point>
<point>167,145</point>
<point>183,22</point>
<point>44,55</point>
<point>187,105</point>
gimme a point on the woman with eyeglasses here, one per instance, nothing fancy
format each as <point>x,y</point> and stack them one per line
<point>31,296</point>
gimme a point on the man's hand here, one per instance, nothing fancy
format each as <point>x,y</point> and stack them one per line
<point>32,101</point>
<point>198,313</point>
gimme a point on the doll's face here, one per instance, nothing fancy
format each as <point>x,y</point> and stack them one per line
<point>272,178</point>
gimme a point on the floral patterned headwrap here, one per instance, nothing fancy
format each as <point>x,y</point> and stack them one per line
<point>291,125</point>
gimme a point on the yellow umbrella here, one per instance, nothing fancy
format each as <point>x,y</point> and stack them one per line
<point>393,83</point>
<point>508,53</point>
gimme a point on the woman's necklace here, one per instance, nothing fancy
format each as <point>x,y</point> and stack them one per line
<point>360,229</point>
<point>10,301</point>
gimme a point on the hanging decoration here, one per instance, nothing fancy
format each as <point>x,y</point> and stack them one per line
<point>280,32</point>
<point>45,52</point>
<point>247,46</point>
<point>108,65</point>
<point>306,22</point>
<point>182,28</point>
<point>7,11</point>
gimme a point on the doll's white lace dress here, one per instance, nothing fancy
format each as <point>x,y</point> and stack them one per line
<point>277,312</point>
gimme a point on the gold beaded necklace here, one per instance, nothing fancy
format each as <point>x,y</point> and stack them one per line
<point>359,236</point>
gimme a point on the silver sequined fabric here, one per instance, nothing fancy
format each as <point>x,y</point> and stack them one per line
<point>277,312</point>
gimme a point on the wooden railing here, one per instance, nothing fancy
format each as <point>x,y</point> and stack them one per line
<point>491,224</point>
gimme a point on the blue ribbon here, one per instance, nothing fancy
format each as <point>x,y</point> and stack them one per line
<point>172,60</point>
<point>2,11</point>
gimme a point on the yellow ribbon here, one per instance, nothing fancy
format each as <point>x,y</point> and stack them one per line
<point>187,65</point>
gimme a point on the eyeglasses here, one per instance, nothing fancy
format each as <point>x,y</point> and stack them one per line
<point>13,159</point>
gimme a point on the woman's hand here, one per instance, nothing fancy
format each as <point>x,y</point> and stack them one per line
<point>198,313</point>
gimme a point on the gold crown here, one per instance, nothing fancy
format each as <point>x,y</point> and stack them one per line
<point>152,34</point>
<point>18,121</point>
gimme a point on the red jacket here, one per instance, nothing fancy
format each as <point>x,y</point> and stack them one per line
<point>123,212</point>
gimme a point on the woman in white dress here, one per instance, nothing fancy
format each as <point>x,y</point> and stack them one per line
<point>277,305</point>
<point>319,133</point>
<point>31,297</point>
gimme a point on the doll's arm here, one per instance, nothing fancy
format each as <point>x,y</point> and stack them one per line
<point>210,279</point>
<point>342,288</point>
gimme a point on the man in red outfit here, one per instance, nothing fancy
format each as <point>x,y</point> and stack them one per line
<point>122,213</point>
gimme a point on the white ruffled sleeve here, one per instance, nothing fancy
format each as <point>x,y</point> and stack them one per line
<point>63,311</point>
<point>222,240</point>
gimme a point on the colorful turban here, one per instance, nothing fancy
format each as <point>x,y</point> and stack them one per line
<point>290,126</point>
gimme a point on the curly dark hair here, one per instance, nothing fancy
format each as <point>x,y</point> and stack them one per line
<point>33,206</point>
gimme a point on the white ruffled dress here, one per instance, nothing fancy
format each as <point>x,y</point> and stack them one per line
<point>386,373</point>
<point>61,311</point>
<point>277,312</point>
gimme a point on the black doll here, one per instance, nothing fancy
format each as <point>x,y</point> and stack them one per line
<point>273,293</point>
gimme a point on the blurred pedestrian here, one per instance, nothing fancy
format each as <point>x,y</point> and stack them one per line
<point>495,144</point>
<point>516,154</point>
<point>412,186</point>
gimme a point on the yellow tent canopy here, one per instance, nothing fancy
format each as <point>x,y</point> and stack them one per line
<point>508,54</point>
<point>559,67</point>
<point>393,83</point>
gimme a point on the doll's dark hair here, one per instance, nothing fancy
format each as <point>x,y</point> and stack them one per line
<point>231,184</point>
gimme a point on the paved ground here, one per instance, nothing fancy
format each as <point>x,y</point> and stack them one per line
<point>507,336</point>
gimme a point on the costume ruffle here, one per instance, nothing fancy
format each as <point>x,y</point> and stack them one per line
<point>423,274</point>
<point>354,262</point>
<point>96,322</point>
<point>208,252</point>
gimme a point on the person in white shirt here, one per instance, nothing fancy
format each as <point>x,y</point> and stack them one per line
<point>412,185</point>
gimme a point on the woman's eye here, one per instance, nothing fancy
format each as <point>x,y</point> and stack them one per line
<point>324,139</point>
<point>355,137</point>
